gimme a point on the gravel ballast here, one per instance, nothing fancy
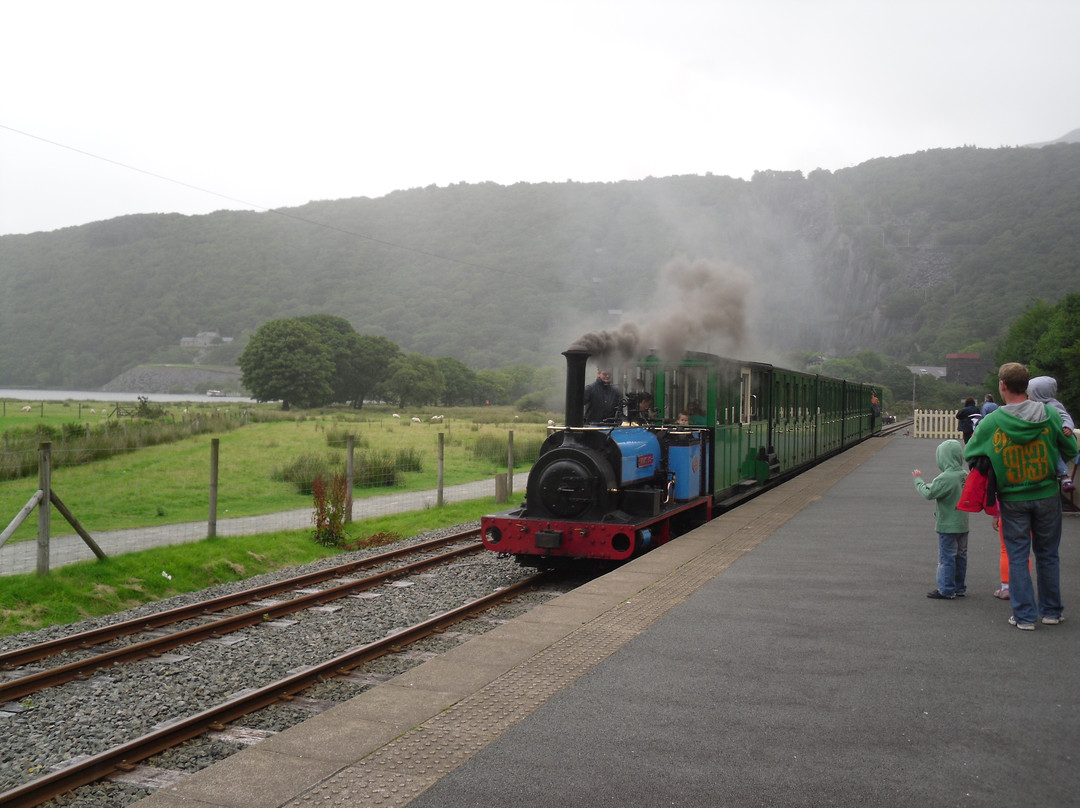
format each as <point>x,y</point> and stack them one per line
<point>80,718</point>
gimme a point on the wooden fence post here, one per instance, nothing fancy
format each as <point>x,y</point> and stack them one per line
<point>349,471</point>
<point>510,465</point>
<point>439,497</point>
<point>45,508</point>
<point>211,527</point>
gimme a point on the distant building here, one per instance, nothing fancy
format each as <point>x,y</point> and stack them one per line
<point>929,370</point>
<point>204,339</point>
<point>967,369</point>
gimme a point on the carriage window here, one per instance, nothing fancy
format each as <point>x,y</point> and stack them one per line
<point>748,398</point>
<point>687,390</point>
<point>641,394</point>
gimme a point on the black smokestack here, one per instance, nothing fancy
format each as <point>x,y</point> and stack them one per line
<point>576,360</point>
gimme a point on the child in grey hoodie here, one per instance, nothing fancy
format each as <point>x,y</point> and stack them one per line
<point>951,524</point>
<point>1044,390</point>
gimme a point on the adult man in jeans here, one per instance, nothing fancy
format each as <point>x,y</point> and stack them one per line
<point>1023,439</point>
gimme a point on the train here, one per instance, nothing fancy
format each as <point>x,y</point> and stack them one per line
<point>614,490</point>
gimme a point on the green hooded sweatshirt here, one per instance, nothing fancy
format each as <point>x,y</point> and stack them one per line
<point>946,488</point>
<point>1023,442</point>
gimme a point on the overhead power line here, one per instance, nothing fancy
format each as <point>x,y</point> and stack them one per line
<point>275,211</point>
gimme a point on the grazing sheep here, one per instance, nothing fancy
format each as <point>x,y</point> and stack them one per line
<point>27,408</point>
<point>415,420</point>
<point>550,422</point>
<point>395,415</point>
<point>436,419</point>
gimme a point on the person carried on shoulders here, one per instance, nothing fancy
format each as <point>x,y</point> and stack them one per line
<point>1044,389</point>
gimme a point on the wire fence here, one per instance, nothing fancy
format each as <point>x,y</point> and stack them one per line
<point>165,494</point>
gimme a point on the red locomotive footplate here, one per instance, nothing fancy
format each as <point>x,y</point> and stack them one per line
<point>520,535</point>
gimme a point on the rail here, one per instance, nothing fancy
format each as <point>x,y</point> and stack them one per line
<point>101,765</point>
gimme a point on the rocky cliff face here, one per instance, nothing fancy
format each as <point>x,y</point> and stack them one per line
<point>174,380</point>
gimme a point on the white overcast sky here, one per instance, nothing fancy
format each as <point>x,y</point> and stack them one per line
<point>109,108</point>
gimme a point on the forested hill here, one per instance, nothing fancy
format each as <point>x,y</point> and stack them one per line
<point>913,257</point>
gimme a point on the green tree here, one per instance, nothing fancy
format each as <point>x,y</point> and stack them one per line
<point>287,360</point>
<point>1024,334</point>
<point>520,380</point>
<point>348,351</point>
<point>415,379</point>
<point>460,381</point>
<point>491,387</point>
<point>1057,353</point>
<point>374,359</point>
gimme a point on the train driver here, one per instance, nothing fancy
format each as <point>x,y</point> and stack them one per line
<point>603,400</point>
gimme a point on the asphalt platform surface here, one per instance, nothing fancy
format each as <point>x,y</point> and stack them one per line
<point>814,671</point>
<point>785,654</point>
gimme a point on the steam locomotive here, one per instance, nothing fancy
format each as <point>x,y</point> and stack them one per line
<point>614,490</point>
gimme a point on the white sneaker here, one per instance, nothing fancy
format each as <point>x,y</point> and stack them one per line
<point>1022,626</point>
<point>1053,621</point>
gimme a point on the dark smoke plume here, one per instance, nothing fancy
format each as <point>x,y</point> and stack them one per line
<point>708,304</point>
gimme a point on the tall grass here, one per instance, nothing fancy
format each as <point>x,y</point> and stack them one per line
<point>85,443</point>
<point>374,468</point>
<point>495,448</point>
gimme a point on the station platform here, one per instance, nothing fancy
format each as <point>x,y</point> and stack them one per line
<point>785,654</point>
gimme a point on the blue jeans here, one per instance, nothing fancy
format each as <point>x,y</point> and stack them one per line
<point>952,564</point>
<point>1033,526</point>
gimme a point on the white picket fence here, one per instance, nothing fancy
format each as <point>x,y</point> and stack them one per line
<point>939,424</point>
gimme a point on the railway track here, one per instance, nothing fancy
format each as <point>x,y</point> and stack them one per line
<point>896,427</point>
<point>123,756</point>
<point>220,624</point>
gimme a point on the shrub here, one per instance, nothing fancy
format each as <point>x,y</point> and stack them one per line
<point>148,410</point>
<point>493,448</point>
<point>332,504</point>
<point>337,437</point>
<point>374,469</point>
<point>410,460</point>
<point>371,469</point>
<point>304,470</point>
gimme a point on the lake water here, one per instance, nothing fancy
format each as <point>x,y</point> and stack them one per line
<point>28,396</point>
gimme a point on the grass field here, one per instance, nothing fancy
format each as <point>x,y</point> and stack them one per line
<point>170,483</point>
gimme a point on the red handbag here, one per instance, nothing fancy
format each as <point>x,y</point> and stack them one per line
<point>973,497</point>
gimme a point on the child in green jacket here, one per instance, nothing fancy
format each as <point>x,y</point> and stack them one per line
<point>952,525</point>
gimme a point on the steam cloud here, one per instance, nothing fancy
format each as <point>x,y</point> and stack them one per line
<point>709,304</point>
